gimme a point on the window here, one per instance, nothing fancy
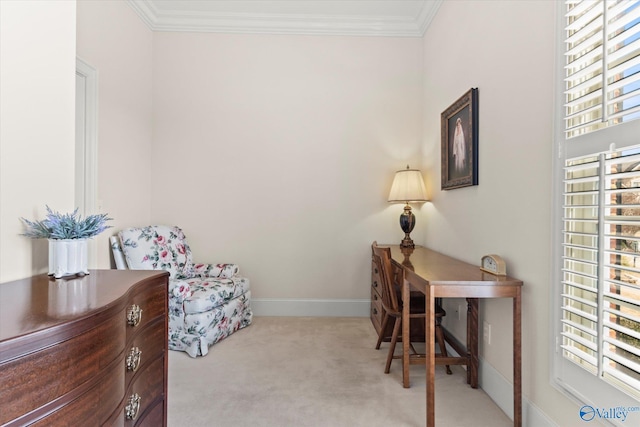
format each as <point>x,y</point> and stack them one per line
<point>601,267</point>
<point>602,64</point>
<point>597,272</point>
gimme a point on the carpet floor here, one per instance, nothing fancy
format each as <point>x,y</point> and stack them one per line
<point>314,372</point>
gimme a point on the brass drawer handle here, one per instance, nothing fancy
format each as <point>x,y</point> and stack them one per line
<point>133,406</point>
<point>134,315</point>
<point>133,359</point>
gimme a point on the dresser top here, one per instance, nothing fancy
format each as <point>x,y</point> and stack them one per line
<point>42,302</point>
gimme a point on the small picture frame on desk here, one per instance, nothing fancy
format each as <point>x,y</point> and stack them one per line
<point>459,142</point>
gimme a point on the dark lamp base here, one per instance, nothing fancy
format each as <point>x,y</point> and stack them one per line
<point>407,222</point>
<point>407,243</point>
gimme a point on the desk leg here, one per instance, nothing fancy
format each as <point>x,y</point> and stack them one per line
<point>517,359</point>
<point>406,321</point>
<point>472,342</point>
<point>430,362</point>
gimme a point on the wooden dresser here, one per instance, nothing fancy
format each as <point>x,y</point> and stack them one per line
<point>377,311</point>
<point>88,351</point>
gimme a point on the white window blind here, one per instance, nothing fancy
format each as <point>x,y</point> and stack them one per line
<point>602,72</point>
<point>597,204</point>
<point>601,267</point>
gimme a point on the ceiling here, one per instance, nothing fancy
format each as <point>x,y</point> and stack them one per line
<point>391,18</point>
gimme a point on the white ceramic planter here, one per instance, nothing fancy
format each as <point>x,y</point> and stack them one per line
<point>68,257</point>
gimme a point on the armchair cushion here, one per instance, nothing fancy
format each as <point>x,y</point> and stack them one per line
<point>208,294</point>
<point>157,248</point>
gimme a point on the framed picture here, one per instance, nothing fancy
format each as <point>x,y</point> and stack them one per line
<point>459,152</point>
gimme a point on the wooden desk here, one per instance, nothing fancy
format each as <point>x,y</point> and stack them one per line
<point>439,276</point>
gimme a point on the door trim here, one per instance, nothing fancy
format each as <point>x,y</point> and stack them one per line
<point>86,175</point>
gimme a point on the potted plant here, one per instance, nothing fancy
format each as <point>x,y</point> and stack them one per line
<point>67,235</point>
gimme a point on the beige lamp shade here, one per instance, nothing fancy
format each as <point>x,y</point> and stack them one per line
<point>408,186</point>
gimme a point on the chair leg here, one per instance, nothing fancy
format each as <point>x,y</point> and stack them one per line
<point>394,340</point>
<point>442,345</point>
<point>385,320</point>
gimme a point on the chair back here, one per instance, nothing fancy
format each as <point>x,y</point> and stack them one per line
<point>157,247</point>
<point>411,277</point>
<point>382,259</point>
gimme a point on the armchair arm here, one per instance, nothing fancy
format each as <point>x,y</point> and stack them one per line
<point>179,290</point>
<point>224,271</point>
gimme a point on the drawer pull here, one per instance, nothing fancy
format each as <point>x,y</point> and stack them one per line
<point>375,283</point>
<point>133,359</point>
<point>375,311</point>
<point>134,315</point>
<point>133,406</point>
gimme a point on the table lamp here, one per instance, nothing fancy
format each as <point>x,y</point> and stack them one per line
<point>408,187</point>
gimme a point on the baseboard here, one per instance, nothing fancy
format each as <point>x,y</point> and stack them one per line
<point>501,392</point>
<point>311,307</point>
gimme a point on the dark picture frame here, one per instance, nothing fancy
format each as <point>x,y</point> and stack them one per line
<point>459,144</point>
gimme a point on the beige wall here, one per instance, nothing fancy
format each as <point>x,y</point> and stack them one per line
<point>37,116</point>
<point>113,40</point>
<point>278,152</point>
<point>511,62</point>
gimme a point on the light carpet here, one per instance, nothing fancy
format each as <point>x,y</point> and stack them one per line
<point>314,372</point>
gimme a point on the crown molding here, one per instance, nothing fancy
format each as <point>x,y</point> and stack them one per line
<point>427,14</point>
<point>303,24</point>
<point>146,11</point>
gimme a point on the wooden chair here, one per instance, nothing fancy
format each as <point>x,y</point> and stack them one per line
<point>392,304</point>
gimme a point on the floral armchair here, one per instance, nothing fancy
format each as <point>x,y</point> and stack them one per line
<point>207,302</point>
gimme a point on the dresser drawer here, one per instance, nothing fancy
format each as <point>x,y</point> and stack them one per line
<point>376,308</point>
<point>32,381</point>
<point>82,411</point>
<point>86,406</point>
<point>154,416</point>
<point>144,348</point>
<point>142,397</point>
<point>375,278</point>
<point>145,307</point>
<point>112,388</point>
<point>376,297</point>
